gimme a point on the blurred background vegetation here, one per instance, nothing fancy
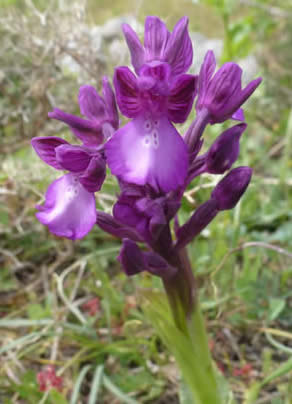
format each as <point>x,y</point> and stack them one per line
<point>68,304</point>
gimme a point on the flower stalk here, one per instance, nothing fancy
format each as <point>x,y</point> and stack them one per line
<point>199,372</point>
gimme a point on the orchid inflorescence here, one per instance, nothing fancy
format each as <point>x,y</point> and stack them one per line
<point>153,163</point>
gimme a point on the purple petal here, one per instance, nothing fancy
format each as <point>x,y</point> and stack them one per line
<point>179,50</point>
<point>131,258</point>
<point>225,83</point>
<point>126,214</point>
<point>181,98</point>
<point>198,221</point>
<point>134,261</point>
<point>157,265</point>
<point>91,104</point>
<point>69,210</point>
<point>89,132</point>
<point>135,47</point>
<point>127,92</point>
<point>110,225</point>
<point>238,115</point>
<point>230,189</point>
<point>206,72</point>
<point>248,90</point>
<point>154,210</point>
<point>94,176</point>
<point>45,147</point>
<point>155,38</point>
<point>147,151</point>
<point>224,151</point>
<point>110,102</point>
<point>73,158</point>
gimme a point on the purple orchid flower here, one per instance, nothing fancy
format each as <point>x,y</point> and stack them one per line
<point>160,46</point>
<point>220,94</point>
<point>149,150</point>
<point>69,209</point>
<point>101,113</point>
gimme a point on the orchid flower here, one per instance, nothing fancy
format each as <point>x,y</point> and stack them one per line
<point>149,150</point>
<point>70,209</point>
<point>101,113</point>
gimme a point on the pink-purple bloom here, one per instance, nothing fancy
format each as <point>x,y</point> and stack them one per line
<point>101,115</point>
<point>69,209</point>
<point>221,93</point>
<point>152,161</point>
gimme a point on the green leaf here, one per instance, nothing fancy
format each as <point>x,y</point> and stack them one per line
<point>277,305</point>
<point>117,392</point>
<point>56,397</point>
<point>282,370</point>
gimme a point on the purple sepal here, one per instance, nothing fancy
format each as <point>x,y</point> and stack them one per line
<point>134,261</point>
<point>91,104</point>
<point>94,175</point>
<point>135,47</point>
<point>230,189</point>
<point>45,147</point>
<point>131,258</point>
<point>181,97</point>
<point>155,39</point>
<point>73,158</point>
<point>158,266</point>
<point>197,167</point>
<point>224,151</point>
<point>197,222</point>
<point>222,94</point>
<point>238,115</point>
<point>206,72</point>
<point>110,103</point>
<point>89,132</point>
<point>110,225</point>
<point>179,50</point>
<point>124,211</point>
<point>69,210</point>
<point>127,91</point>
<point>154,210</point>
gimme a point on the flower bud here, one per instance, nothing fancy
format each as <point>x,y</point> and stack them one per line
<point>131,258</point>
<point>224,151</point>
<point>222,94</point>
<point>230,189</point>
<point>197,222</point>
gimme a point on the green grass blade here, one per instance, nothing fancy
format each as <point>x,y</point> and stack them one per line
<point>78,383</point>
<point>117,392</point>
<point>96,383</point>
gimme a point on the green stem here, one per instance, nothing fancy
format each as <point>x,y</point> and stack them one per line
<point>207,386</point>
<point>197,368</point>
